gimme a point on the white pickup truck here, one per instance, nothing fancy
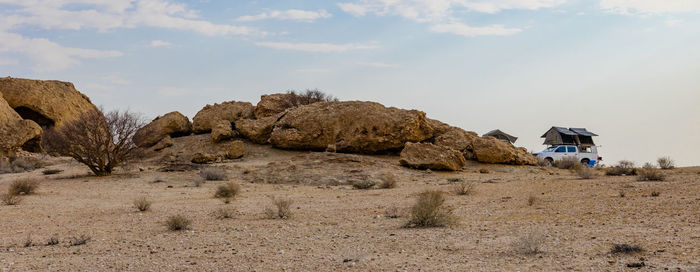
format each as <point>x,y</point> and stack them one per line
<point>589,156</point>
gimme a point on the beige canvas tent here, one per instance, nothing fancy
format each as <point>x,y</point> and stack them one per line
<point>569,136</point>
<point>498,134</point>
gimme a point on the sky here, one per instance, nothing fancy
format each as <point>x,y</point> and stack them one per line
<point>628,70</point>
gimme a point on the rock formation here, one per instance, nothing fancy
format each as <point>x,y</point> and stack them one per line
<point>46,102</point>
<point>430,156</point>
<point>352,126</point>
<point>272,104</point>
<point>205,120</point>
<point>16,132</point>
<point>458,139</point>
<point>257,130</point>
<point>491,150</point>
<point>222,131</point>
<point>173,124</point>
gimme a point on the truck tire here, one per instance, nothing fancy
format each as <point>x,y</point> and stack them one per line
<point>586,162</point>
<point>549,160</point>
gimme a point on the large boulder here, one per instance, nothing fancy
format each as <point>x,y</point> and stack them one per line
<point>491,150</point>
<point>16,132</point>
<point>457,139</point>
<point>257,130</point>
<point>46,102</point>
<point>173,124</point>
<point>430,156</point>
<point>222,131</point>
<point>209,116</point>
<point>272,104</point>
<point>349,126</point>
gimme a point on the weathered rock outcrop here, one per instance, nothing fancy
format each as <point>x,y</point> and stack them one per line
<point>16,132</point>
<point>222,131</point>
<point>205,120</point>
<point>352,126</point>
<point>457,139</point>
<point>430,156</point>
<point>47,102</point>
<point>173,124</point>
<point>491,150</point>
<point>233,150</point>
<point>257,130</point>
<point>272,104</point>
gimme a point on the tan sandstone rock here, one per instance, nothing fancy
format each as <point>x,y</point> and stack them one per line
<point>172,124</point>
<point>16,132</point>
<point>235,150</point>
<point>352,126</point>
<point>491,150</point>
<point>205,120</point>
<point>47,102</point>
<point>272,104</point>
<point>163,143</point>
<point>458,139</point>
<point>257,130</point>
<point>222,131</point>
<point>430,156</point>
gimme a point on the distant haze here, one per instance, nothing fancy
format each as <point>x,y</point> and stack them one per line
<point>626,70</point>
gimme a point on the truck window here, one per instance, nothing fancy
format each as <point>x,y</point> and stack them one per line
<point>572,149</point>
<point>561,149</point>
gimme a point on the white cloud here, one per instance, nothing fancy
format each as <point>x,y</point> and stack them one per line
<point>49,56</point>
<point>470,31</point>
<point>317,47</point>
<point>172,91</point>
<point>292,14</point>
<point>632,7</point>
<point>159,43</point>
<point>379,64</point>
<point>673,22</point>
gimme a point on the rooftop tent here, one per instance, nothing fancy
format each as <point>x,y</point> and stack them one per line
<point>498,134</point>
<point>572,136</point>
<point>585,137</point>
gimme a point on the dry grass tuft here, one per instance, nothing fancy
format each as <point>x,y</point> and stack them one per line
<point>531,200</point>
<point>23,187</point>
<point>622,168</point>
<point>655,193</point>
<point>10,199</point>
<point>388,181</point>
<point>625,249</point>
<point>567,163</point>
<point>79,240</point>
<point>650,173</point>
<point>224,213</point>
<point>363,184</point>
<point>142,204</point>
<point>52,241</point>
<point>530,243</point>
<point>227,191</point>
<point>430,211</point>
<point>177,222</point>
<point>463,188</point>
<point>392,212</point>
<point>666,163</point>
<point>213,173</point>
<point>586,172</point>
<point>281,209</point>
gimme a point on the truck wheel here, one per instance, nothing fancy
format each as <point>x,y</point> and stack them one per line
<point>549,161</point>
<point>585,162</point>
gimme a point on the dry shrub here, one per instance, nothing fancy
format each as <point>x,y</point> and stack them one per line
<point>227,191</point>
<point>51,171</point>
<point>213,173</point>
<point>177,222</point>
<point>15,164</point>
<point>363,184</point>
<point>455,180</point>
<point>23,187</point>
<point>655,193</point>
<point>388,181</point>
<point>142,204</point>
<point>224,213</point>
<point>392,212</point>
<point>625,249</point>
<point>650,173</point>
<point>197,182</point>
<point>622,168</point>
<point>430,211</point>
<point>586,172</point>
<point>79,240</point>
<point>101,142</point>
<point>530,243</point>
<point>10,199</point>
<point>567,163</point>
<point>281,208</point>
<point>531,200</point>
<point>463,188</point>
<point>666,163</point>
<point>621,193</point>
<point>52,241</point>
<point>28,242</point>
<point>307,97</point>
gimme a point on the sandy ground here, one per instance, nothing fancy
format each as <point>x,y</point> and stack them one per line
<point>340,228</point>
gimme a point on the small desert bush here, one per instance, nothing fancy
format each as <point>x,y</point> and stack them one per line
<point>142,204</point>
<point>224,213</point>
<point>228,190</point>
<point>567,163</point>
<point>392,212</point>
<point>363,184</point>
<point>23,187</point>
<point>622,193</point>
<point>655,193</point>
<point>650,173</point>
<point>622,168</point>
<point>388,181</point>
<point>531,200</point>
<point>52,241</point>
<point>281,208</point>
<point>463,188</point>
<point>530,243</point>
<point>586,172</point>
<point>294,99</point>
<point>10,199</point>
<point>430,211</point>
<point>79,240</point>
<point>625,249</point>
<point>213,173</point>
<point>28,242</point>
<point>51,171</point>
<point>177,222</point>
<point>454,180</point>
<point>197,182</point>
<point>666,163</point>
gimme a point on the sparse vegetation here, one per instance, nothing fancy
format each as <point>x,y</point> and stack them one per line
<point>650,173</point>
<point>213,173</point>
<point>295,99</point>
<point>142,204</point>
<point>281,208</point>
<point>622,168</point>
<point>10,199</point>
<point>530,243</point>
<point>79,240</point>
<point>52,241</point>
<point>23,187</point>
<point>531,200</point>
<point>14,164</point>
<point>666,163</point>
<point>586,172</point>
<point>197,182</point>
<point>392,212</point>
<point>567,163</point>
<point>655,193</point>
<point>224,213</point>
<point>454,180</point>
<point>388,181</point>
<point>101,142</point>
<point>625,249</point>
<point>463,188</point>
<point>363,184</point>
<point>430,211</point>
<point>28,242</point>
<point>621,193</point>
<point>227,191</point>
<point>178,222</point>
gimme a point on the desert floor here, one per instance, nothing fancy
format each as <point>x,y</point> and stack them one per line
<point>336,227</point>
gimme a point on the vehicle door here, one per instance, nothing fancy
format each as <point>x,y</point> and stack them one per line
<point>559,153</point>
<point>572,152</point>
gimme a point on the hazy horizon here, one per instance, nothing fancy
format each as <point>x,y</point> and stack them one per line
<point>624,69</point>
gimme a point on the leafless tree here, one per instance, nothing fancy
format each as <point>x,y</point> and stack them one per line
<point>308,97</point>
<point>100,141</point>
